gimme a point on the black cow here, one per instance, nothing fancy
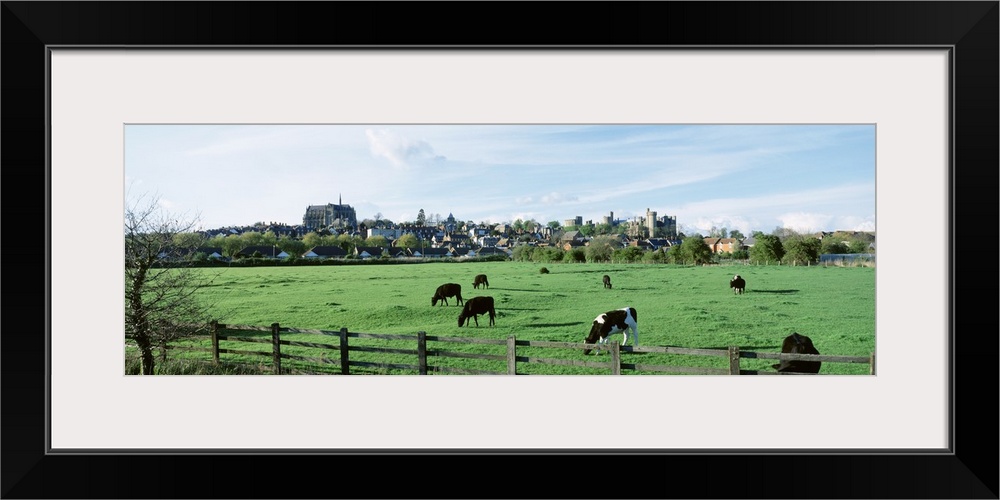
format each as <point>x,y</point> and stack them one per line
<point>737,284</point>
<point>447,290</point>
<point>480,280</point>
<point>607,281</point>
<point>476,306</point>
<point>797,344</point>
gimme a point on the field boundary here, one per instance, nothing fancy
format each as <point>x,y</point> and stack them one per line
<point>424,349</point>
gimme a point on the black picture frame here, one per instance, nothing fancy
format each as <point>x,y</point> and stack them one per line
<point>969,28</point>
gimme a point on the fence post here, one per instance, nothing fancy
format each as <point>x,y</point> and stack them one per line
<point>276,342</point>
<point>871,364</point>
<point>422,353</point>
<point>511,355</point>
<point>215,342</point>
<point>344,365</point>
<point>616,359</point>
<point>734,360</point>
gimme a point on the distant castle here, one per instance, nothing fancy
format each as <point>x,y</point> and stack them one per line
<point>322,216</point>
<point>649,226</point>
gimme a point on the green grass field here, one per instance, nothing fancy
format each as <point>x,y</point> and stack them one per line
<point>676,306</point>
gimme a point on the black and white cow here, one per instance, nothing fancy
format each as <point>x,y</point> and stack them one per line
<point>617,321</point>
<point>737,284</point>
<point>797,344</point>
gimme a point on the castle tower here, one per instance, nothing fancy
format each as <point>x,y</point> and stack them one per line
<point>651,223</point>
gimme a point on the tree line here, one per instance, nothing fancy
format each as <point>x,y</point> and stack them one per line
<point>787,248</point>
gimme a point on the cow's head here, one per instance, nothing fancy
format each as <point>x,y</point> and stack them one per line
<point>595,332</point>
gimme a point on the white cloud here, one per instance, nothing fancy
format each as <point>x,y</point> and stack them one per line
<point>855,223</point>
<point>803,222</point>
<point>704,225</point>
<point>401,152</point>
<point>554,198</point>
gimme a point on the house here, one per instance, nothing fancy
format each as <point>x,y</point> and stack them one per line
<point>456,240</point>
<point>398,252</point>
<point>658,243</point>
<point>212,253</point>
<point>488,251</point>
<point>262,251</point>
<point>325,252</point>
<point>478,232</point>
<point>728,245</point>
<point>429,252</point>
<point>572,244</point>
<point>643,244</point>
<point>369,252</point>
<point>723,245</point>
<point>572,236</point>
<point>488,241</point>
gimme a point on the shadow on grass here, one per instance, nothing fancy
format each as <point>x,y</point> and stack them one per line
<point>752,348</point>
<point>775,291</point>
<point>547,325</point>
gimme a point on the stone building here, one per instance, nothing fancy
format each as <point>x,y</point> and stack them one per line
<point>338,216</point>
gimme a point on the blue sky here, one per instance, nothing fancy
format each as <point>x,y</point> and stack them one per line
<point>746,177</point>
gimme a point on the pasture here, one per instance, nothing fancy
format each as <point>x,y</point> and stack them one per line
<point>677,306</point>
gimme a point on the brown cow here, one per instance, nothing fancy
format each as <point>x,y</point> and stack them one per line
<point>480,280</point>
<point>797,344</point>
<point>447,290</point>
<point>476,306</point>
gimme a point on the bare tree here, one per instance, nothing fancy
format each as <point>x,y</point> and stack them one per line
<point>160,283</point>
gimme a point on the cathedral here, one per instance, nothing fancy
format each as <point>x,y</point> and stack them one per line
<point>322,216</point>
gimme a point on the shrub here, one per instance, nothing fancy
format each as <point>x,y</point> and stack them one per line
<point>575,255</point>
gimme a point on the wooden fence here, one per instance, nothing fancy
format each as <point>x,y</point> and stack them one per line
<point>422,351</point>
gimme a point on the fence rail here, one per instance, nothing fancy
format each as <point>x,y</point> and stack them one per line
<point>235,336</point>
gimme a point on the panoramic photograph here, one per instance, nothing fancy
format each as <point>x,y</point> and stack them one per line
<point>466,249</point>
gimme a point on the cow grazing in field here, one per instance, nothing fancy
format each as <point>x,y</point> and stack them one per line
<point>607,281</point>
<point>617,321</point>
<point>797,344</point>
<point>476,306</point>
<point>447,290</point>
<point>737,284</point>
<point>480,280</point>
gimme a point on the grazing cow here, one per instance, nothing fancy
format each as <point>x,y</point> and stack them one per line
<point>480,280</point>
<point>447,290</point>
<point>797,344</point>
<point>476,306</point>
<point>617,321</point>
<point>737,284</point>
<point>607,281</point>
